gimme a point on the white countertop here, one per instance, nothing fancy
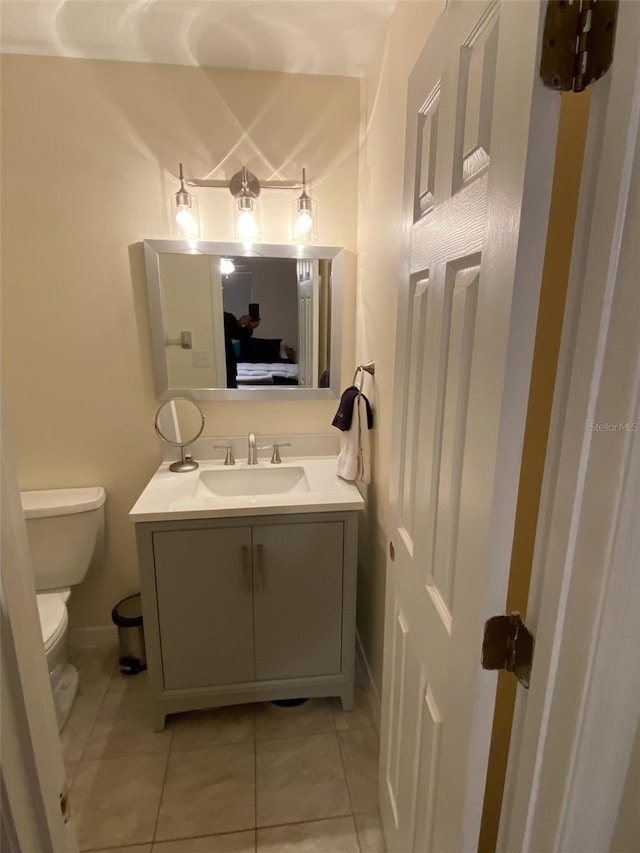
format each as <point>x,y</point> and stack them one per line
<point>169,495</point>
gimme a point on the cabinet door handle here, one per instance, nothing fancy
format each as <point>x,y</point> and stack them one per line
<point>260,567</point>
<point>246,569</point>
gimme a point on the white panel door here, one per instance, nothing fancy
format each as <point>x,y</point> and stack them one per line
<point>217,325</point>
<point>308,323</point>
<point>481,135</point>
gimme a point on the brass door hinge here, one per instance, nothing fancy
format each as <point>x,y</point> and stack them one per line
<point>577,46</point>
<point>508,644</point>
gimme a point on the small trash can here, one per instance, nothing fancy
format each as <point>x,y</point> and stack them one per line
<point>127,615</point>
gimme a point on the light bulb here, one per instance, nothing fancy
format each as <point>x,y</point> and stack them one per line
<point>186,224</point>
<point>246,228</point>
<point>303,226</point>
<point>227,267</point>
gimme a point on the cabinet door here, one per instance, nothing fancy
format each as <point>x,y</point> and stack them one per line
<point>297,572</point>
<point>205,609</point>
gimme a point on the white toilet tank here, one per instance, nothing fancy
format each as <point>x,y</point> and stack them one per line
<point>64,526</point>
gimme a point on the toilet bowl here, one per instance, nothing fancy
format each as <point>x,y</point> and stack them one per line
<point>64,528</point>
<point>54,620</point>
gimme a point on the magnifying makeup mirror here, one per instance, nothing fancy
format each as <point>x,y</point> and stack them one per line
<point>180,422</point>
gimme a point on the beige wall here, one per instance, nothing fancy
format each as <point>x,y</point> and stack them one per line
<point>186,288</point>
<point>89,154</point>
<point>379,243</point>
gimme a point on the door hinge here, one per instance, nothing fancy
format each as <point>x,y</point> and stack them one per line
<point>577,46</point>
<point>508,644</point>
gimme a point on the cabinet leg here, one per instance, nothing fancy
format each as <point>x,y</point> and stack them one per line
<point>158,720</point>
<point>347,698</point>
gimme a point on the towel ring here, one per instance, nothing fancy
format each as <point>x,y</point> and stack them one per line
<point>369,367</point>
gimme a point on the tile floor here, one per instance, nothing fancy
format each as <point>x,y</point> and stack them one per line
<point>248,779</point>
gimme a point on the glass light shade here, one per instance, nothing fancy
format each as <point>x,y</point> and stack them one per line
<point>185,216</point>
<point>304,224</point>
<point>247,227</point>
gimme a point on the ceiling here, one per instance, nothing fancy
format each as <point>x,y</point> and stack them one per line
<point>297,36</point>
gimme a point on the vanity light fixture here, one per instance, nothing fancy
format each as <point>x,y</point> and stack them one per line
<point>184,213</point>
<point>245,188</point>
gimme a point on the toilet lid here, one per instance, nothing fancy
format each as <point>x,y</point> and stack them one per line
<point>44,503</point>
<point>53,617</point>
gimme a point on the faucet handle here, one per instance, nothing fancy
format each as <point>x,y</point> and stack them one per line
<point>229,458</point>
<point>275,459</point>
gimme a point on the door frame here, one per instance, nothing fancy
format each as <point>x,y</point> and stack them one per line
<point>33,772</point>
<point>567,798</point>
<point>550,595</point>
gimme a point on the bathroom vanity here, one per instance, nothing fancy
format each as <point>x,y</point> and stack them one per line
<point>248,594</point>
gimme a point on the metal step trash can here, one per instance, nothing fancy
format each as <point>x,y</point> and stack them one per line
<point>127,615</point>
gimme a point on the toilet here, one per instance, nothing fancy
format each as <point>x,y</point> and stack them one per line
<point>64,527</point>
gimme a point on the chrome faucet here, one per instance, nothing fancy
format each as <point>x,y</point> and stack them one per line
<point>252,455</point>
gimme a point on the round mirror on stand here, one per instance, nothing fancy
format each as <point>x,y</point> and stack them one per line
<point>179,422</point>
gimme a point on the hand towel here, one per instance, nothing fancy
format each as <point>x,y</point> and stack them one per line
<point>342,418</point>
<point>354,461</point>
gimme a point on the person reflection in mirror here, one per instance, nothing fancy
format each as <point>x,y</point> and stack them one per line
<point>235,330</point>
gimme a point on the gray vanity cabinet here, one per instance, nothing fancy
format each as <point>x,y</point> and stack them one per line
<point>297,599</point>
<point>204,606</point>
<point>248,609</point>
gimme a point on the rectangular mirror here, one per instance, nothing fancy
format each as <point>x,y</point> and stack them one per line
<point>228,323</point>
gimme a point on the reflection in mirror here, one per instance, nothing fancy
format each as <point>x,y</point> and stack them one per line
<point>179,422</point>
<point>276,321</point>
<point>223,318</point>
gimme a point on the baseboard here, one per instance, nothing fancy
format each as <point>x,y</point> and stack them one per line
<point>86,638</point>
<point>372,690</point>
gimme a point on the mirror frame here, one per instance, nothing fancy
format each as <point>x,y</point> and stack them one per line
<point>153,248</point>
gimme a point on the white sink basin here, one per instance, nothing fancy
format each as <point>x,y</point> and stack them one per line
<point>235,482</point>
<point>308,484</point>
